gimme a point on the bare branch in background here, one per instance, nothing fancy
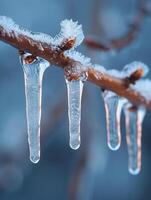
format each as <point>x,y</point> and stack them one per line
<point>126,39</point>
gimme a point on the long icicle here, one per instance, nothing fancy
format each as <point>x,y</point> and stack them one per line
<point>113,107</point>
<point>74,89</point>
<point>133,119</point>
<point>33,74</point>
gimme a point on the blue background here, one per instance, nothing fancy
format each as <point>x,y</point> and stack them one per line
<point>93,172</point>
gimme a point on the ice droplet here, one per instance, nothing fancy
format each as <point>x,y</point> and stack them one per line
<point>133,119</point>
<point>113,107</point>
<point>74,89</point>
<point>33,74</point>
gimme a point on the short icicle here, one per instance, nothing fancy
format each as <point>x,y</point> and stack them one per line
<point>33,73</point>
<point>133,119</point>
<point>74,90</point>
<point>113,107</point>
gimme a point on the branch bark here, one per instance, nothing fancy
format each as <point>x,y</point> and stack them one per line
<point>56,56</point>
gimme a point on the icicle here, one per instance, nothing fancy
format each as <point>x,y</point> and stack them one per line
<point>113,107</point>
<point>133,119</point>
<point>33,74</point>
<point>74,89</point>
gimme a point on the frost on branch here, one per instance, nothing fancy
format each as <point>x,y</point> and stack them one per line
<point>33,73</point>
<point>143,87</point>
<point>134,71</point>
<point>14,30</point>
<point>133,119</point>
<point>69,30</point>
<point>85,61</point>
<point>134,66</point>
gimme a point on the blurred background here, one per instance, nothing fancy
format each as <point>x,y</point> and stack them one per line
<point>93,172</point>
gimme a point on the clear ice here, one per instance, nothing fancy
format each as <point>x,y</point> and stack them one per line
<point>33,74</point>
<point>133,119</point>
<point>74,90</point>
<point>113,107</point>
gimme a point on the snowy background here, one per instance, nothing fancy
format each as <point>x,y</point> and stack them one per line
<point>93,172</point>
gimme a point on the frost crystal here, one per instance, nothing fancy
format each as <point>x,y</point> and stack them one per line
<point>33,74</point>
<point>70,30</point>
<point>143,87</point>
<point>127,71</point>
<point>116,73</point>
<point>111,72</point>
<point>99,68</point>
<point>78,57</point>
<point>113,107</point>
<point>133,119</point>
<point>132,67</point>
<point>12,28</point>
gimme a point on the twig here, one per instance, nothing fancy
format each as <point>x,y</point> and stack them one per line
<point>56,57</point>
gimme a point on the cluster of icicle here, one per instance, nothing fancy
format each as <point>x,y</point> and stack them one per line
<point>114,104</point>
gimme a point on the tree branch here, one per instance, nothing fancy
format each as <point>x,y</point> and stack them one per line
<point>55,55</point>
<point>126,39</point>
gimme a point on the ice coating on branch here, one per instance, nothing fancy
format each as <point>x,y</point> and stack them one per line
<point>70,30</point>
<point>113,107</point>
<point>134,66</point>
<point>8,23</point>
<point>143,87</point>
<point>33,74</point>
<point>99,68</point>
<point>85,61</point>
<point>74,90</point>
<point>127,70</point>
<point>133,119</point>
<point>111,72</point>
<point>12,29</point>
<point>116,73</point>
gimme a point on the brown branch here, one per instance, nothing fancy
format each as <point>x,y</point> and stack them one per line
<point>126,39</point>
<point>56,57</point>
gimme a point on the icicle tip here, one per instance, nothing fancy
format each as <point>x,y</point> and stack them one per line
<point>35,159</point>
<point>134,171</point>
<point>114,147</point>
<point>75,142</point>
